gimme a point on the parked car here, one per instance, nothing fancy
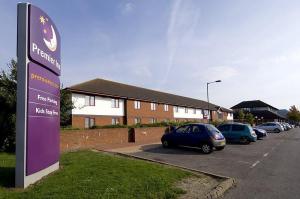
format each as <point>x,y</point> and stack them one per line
<point>260,133</point>
<point>285,127</point>
<point>204,136</point>
<point>238,132</point>
<point>271,127</point>
<point>289,127</point>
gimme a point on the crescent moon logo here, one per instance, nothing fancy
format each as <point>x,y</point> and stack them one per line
<point>52,44</point>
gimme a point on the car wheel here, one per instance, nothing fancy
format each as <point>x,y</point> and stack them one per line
<point>206,148</point>
<point>244,140</point>
<point>220,148</point>
<point>277,131</point>
<point>166,144</point>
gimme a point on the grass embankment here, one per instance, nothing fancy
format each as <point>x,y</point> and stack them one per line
<point>88,174</point>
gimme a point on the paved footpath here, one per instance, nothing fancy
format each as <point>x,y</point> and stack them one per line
<point>269,168</point>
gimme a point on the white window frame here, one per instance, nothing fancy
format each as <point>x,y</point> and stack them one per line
<point>153,106</point>
<point>115,103</point>
<point>137,120</point>
<point>153,120</point>
<point>176,109</point>
<point>89,100</point>
<point>89,122</point>
<point>166,107</point>
<point>115,121</point>
<point>137,104</point>
<point>194,111</point>
<point>186,110</point>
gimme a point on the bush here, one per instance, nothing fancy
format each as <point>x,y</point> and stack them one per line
<point>217,123</point>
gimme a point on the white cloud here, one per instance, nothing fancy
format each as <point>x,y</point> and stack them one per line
<point>127,8</point>
<point>142,72</point>
<point>182,23</point>
<point>216,72</point>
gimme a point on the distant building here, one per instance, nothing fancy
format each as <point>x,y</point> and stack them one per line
<point>261,110</point>
<point>101,102</point>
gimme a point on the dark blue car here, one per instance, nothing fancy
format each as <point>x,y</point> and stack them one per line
<point>204,136</point>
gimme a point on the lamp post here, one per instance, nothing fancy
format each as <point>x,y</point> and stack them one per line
<point>217,81</point>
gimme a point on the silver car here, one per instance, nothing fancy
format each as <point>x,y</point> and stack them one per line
<point>271,127</point>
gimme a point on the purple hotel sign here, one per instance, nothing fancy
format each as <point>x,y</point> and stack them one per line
<point>38,96</point>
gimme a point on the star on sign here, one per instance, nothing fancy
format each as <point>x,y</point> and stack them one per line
<point>42,19</point>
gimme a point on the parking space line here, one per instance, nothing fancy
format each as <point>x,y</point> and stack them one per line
<point>255,163</point>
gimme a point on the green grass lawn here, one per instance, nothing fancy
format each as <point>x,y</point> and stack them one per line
<point>87,174</point>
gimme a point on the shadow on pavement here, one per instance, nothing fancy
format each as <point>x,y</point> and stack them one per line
<point>7,177</point>
<point>157,148</point>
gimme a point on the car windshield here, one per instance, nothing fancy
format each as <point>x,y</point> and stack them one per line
<point>212,128</point>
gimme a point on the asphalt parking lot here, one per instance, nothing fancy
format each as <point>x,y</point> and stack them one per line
<point>267,168</point>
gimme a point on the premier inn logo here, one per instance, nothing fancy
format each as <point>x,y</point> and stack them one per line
<point>49,35</point>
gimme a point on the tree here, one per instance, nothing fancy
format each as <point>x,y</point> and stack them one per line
<point>8,102</point>
<point>294,114</point>
<point>66,106</point>
<point>240,115</point>
<point>249,118</point>
<point>8,96</point>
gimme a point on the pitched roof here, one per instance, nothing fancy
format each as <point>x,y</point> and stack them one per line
<point>252,104</point>
<point>115,89</point>
<point>267,114</point>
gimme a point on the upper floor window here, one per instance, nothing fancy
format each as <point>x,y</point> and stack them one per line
<point>186,110</point>
<point>194,111</point>
<point>205,112</point>
<point>166,107</point>
<point>137,105</point>
<point>176,109</point>
<point>153,106</point>
<point>115,103</point>
<point>115,121</point>
<point>90,100</point>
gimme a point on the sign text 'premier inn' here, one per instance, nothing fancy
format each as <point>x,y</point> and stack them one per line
<point>38,95</point>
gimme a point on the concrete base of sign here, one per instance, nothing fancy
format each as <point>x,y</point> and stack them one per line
<point>28,180</point>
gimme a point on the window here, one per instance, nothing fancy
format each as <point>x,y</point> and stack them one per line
<point>153,120</point>
<point>90,100</point>
<point>137,120</point>
<point>153,106</point>
<point>186,110</point>
<point>183,129</point>
<point>220,115</point>
<point>176,109</point>
<point>115,121</point>
<point>224,128</point>
<point>166,107</point>
<point>206,113</point>
<point>194,111</point>
<point>238,127</point>
<point>89,122</point>
<point>115,103</point>
<point>137,105</point>
<point>197,129</point>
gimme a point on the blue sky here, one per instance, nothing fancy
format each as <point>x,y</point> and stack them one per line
<point>176,46</point>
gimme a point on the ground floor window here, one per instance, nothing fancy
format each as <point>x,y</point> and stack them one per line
<point>115,121</point>
<point>153,120</point>
<point>137,120</point>
<point>89,122</point>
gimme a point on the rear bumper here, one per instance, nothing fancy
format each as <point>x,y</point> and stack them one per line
<point>219,143</point>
